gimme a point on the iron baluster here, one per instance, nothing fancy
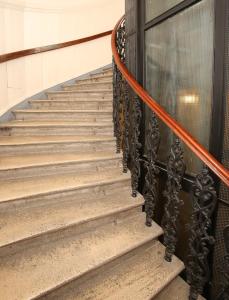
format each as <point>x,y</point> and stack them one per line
<point>175,171</point>
<point>150,191</point>
<point>204,202</point>
<point>135,144</point>
<point>126,147</point>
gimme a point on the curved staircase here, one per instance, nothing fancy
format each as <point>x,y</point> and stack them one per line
<point>69,228</point>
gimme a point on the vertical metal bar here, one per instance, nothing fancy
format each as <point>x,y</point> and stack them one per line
<point>175,171</point>
<point>204,203</point>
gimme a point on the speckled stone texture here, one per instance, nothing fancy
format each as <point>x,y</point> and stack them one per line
<point>69,228</point>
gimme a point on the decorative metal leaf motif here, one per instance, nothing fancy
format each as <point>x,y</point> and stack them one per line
<point>204,202</point>
<point>126,147</point>
<point>135,144</point>
<point>175,171</point>
<point>150,192</point>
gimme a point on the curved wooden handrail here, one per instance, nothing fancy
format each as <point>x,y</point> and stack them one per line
<point>183,134</point>
<point>27,52</point>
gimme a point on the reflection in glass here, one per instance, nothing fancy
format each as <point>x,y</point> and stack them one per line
<point>178,73</point>
<point>155,8</point>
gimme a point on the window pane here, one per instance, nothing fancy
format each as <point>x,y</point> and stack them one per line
<point>179,67</point>
<point>155,8</point>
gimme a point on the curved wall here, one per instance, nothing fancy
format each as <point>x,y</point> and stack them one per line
<point>28,24</point>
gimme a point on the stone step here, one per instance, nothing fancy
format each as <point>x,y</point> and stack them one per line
<point>101,94</point>
<point>88,86</point>
<point>23,228</point>
<point>48,188</point>
<point>18,145</point>
<point>77,115</point>
<point>33,165</point>
<point>98,78</point>
<point>103,73</point>
<point>36,271</point>
<point>138,275</point>
<point>84,104</point>
<point>25,128</point>
<point>178,289</point>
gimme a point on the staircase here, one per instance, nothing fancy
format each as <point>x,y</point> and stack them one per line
<point>69,228</point>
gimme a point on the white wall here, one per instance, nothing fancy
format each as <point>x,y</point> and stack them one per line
<point>33,23</point>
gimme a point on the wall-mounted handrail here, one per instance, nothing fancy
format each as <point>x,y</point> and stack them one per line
<point>182,133</point>
<point>37,50</point>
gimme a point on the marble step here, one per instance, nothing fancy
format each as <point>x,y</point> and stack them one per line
<point>103,73</point>
<point>98,78</point>
<point>25,228</point>
<point>27,191</point>
<point>84,104</point>
<point>88,86</point>
<point>36,271</point>
<point>19,145</point>
<point>27,128</point>
<point>140,275</point>
<point>101,94</point>
<point>33,165</point>
<point>77,115</point>
<point>178,289</point>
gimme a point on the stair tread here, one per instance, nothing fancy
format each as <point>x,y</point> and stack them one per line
<point>97,111</point>
<point>140,276</point>
<point>86,91</point>
<point>21,224</point>
<point>29,160</point>
<point>34,271</point>
<point>19,140</point>
<point>89,83</point>
<point>44,123</point>
<point>43,185</point>
<point>70,100</point>
<point>178,289</point>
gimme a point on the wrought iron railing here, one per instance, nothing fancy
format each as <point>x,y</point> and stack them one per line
<point>127,118</point>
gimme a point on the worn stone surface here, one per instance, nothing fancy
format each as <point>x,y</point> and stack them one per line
<point>69,229</point>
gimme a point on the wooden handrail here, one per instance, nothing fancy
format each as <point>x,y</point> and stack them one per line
<point>183,134</point>
<point>27,52</point>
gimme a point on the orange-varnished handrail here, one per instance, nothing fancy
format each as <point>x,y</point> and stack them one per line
<point>182,133</point>
<point>27,52</point>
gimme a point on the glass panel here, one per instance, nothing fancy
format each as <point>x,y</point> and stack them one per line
<point>155,8</point>
<point>178,73</point>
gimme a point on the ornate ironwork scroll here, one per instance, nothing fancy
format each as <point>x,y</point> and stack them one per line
<point>150,192</point>
<point>118,89</point>
<point>126,125</point>
<point>224,293</point>
<point>204,202</point>
<point>175,171</point>
<point>135,144</point>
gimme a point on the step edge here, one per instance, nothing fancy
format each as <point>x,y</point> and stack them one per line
<point>97,159</point>
<point>73,224</point>
<point>55,192</point>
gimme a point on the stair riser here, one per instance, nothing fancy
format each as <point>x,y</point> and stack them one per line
<point>85,87</point>
<point>80,95</point>
<point>108,79</point>
<point>79,117</point>
<point>65,168</point>
<point>80,105</point>
<point>65,233</point>
<point>76,147</point>
<point>77,131</point>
